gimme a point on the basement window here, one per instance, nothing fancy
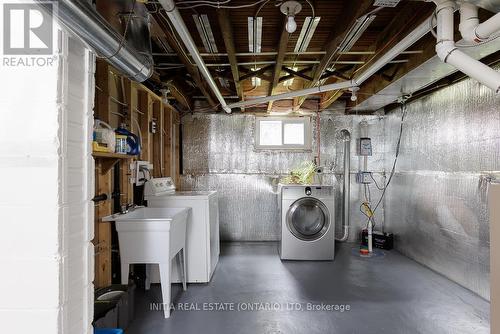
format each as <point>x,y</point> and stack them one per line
<point>283,133</point>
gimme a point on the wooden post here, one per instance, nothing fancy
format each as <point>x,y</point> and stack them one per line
<point>102,239</point>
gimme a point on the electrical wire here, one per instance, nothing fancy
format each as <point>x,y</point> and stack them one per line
<point>216,5</point>
<point>398,150</point>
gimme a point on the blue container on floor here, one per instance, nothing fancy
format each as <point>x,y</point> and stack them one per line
<point>108,331</point>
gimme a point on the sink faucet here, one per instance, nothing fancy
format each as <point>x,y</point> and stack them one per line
<point>129,207</point>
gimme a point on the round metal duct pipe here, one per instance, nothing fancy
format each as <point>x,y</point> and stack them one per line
<point>346,138</point>
<point>83,20</point>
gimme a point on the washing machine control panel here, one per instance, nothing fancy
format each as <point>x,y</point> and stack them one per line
<point>297,191</point>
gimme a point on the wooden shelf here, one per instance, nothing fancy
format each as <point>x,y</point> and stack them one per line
<point>108,160</point>
<point>112,155</point>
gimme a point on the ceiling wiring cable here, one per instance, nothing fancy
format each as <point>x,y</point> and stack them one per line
<point>215,5</point>
<point>124,36</point>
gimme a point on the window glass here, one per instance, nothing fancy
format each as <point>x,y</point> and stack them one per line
<point>270,133</point>
<point>294,134</point>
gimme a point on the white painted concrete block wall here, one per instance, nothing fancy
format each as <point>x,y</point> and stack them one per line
<point>46,216</point>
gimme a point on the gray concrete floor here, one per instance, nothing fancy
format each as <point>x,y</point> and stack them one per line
<point>385,294</point>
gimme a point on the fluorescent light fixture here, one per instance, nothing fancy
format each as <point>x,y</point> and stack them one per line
<point>255,34</point>
<point>289,82</point>
<point>355,32</point>
<point>386,3</point>
<point>306,34</point>
<point>205,31</point>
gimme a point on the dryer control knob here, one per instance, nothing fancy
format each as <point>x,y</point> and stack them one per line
<point>308,191</point>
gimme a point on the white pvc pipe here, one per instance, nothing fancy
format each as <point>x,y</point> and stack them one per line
<point>489,27</point>
<point>302,92</point>
<point>404,44</point>
<point>470,28</point>
<point>179,25</point>
<point>469,21</point>
<point>448,52</point>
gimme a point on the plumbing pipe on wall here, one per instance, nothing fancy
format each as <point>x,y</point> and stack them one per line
<point>179,25</point>
<point>448,52</point>
<point>346,186</point>
<point>81,19</point>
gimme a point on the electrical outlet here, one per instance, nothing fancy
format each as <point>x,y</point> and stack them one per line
<point>364,177</point>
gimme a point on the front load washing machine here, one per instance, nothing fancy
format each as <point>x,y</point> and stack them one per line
<point>307,222</point>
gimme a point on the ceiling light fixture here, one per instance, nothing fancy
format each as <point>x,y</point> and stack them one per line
<point>290,9</point>
<point>355,32</point>
<point>205,31</point>
<point>354,96</point>
<point>255,34</point>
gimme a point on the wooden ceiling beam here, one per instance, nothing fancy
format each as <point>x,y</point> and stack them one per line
<point>351,11</point>
<point>259,73</point>
<point>298,73</point>
<point>180,94</point>
<point>182,54</point>
<point>279,61</point>
<point>290,76</point>
<point>336,74</point>
<point>228,37</point>
<point>376,83</point>
<point>407,19</point>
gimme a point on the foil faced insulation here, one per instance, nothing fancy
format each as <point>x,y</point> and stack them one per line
<point>219,154</point>
<point>435,205</point>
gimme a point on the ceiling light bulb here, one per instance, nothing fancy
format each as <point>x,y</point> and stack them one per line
<point>291,25</point>
<point>354,96</point>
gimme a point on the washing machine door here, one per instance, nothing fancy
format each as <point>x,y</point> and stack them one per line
<point>308,219</point>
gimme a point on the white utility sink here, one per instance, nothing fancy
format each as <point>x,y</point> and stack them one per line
<point>153,236</point>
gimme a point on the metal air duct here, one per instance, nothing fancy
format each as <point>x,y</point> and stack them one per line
<point>82,20</point>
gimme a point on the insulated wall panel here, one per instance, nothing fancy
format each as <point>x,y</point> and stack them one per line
<point>436,204</point>
<point>219,154</point>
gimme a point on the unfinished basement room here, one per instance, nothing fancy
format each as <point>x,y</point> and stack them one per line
<point>250,166</point>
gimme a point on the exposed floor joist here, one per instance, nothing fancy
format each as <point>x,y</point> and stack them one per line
<point>227,35</point>
<point>279,61</point>
<point>181,53</point>
<point>407,19</point>
<point>351,12</point>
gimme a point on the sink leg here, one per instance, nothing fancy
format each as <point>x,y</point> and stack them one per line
<point>147,281</point>
<point>183,268</point>
<point>125,268</point>
<point>165,287</point>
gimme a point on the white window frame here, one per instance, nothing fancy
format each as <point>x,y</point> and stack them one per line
<point>306,120</point>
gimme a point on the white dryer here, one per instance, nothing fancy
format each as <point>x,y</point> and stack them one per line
<point>202,235</point>
<point>307,222</point>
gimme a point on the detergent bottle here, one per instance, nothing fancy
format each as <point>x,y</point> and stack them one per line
<point>104,139</point>
<point>133,142</point>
